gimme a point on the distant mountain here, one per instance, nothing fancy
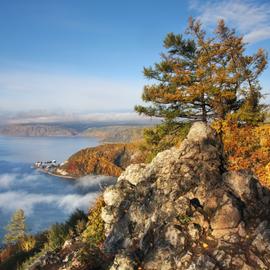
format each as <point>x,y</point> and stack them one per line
<point>107,132</point>
<point>36,130</point>
<point>115,134</point>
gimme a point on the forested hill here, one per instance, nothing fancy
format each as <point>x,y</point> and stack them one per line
<point>36,130</point>
<point>108,133</point>
<point>116,133</point>
<point>106,159</point>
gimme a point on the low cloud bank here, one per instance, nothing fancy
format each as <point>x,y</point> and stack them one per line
<point>94,182</point>
<point>12,200</point>
<point>8,180</point>
<point>80,194</point>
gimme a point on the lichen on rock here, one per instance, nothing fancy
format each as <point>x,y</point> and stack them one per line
<point>184,211</point>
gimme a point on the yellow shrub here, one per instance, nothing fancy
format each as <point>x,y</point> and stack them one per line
<point>28,243</point>
<point>247,147</point>
<point>94,232</point>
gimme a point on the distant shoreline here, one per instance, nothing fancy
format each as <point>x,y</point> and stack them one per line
<point>55,174</point>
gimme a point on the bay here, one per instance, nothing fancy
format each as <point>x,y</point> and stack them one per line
<point>45,199</point>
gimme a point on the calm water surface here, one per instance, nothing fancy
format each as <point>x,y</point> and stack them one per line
<point>45,199</point>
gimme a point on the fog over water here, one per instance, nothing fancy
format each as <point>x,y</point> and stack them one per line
<point>45,199</point>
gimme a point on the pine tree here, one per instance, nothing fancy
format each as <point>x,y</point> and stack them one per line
<point>16,229</point>
<point>204,77</point>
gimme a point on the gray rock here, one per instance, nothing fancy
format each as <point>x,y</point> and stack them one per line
<point>242,184</point>
<point>134,174</point>
<point>123,262</point>
<point>112,196</point>
<point>199,132</point>
<point>182,211</point>
<point>226,217</point>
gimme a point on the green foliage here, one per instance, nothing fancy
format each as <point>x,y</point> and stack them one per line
<point>94,232</point>
<point>184,219</point>
<point>80,226</point>
<point>57,235</point>
<point>25,265</point>
<point>251,112</point>
<point>77,217</point>
<point>16,229</point>
<point>162,137</point>
<point>40,249</point>
<point>60,232</point>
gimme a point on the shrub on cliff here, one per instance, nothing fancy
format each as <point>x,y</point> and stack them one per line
<point>76,222</point>
<point>162,137</point>
<point>16,229</point>
<point>94,232</point>
<point>28,243</point>
<point>57,235</point>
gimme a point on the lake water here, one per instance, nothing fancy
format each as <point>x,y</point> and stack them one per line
<point>45,199</point>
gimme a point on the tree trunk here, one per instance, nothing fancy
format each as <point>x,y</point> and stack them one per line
<point>204,114</point>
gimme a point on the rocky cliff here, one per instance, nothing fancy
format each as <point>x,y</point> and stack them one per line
<point>185,211</point>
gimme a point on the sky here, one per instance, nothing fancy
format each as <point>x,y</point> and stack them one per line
<point>87,56</point>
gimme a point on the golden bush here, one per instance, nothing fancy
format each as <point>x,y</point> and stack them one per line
<point>28,243</point>
<point>94,232</point>
<point>247,147</point>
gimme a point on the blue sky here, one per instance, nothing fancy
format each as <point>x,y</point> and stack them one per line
<point>87,56</point>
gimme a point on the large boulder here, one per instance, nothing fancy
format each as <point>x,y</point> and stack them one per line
<point>184,211</point>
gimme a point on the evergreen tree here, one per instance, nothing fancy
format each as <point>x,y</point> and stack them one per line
<point>204,77</point>
<point>16,229</point>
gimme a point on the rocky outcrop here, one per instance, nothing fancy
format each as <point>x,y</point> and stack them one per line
<point>185,211</point>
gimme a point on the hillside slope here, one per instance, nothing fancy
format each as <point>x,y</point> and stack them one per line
<point>116,134</point>
<point>106,159</point>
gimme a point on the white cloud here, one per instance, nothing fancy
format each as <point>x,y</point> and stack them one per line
<point>74,201</point>
<point>30,90</point>
<point>12,200</point>
<point>18,199</point>
<point>94,182</point>
<point>6,180</point>
<point>250,17</point>
<point>43,117</point>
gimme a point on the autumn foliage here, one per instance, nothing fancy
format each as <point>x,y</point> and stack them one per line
<point>94,233</point>
<point>204,76</point>
<point>106,159</point>
<point>247,147</point>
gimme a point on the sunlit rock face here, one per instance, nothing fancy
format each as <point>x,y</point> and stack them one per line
<point>185,211</point>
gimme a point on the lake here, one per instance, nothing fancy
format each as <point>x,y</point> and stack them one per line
<point>45,199</point>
